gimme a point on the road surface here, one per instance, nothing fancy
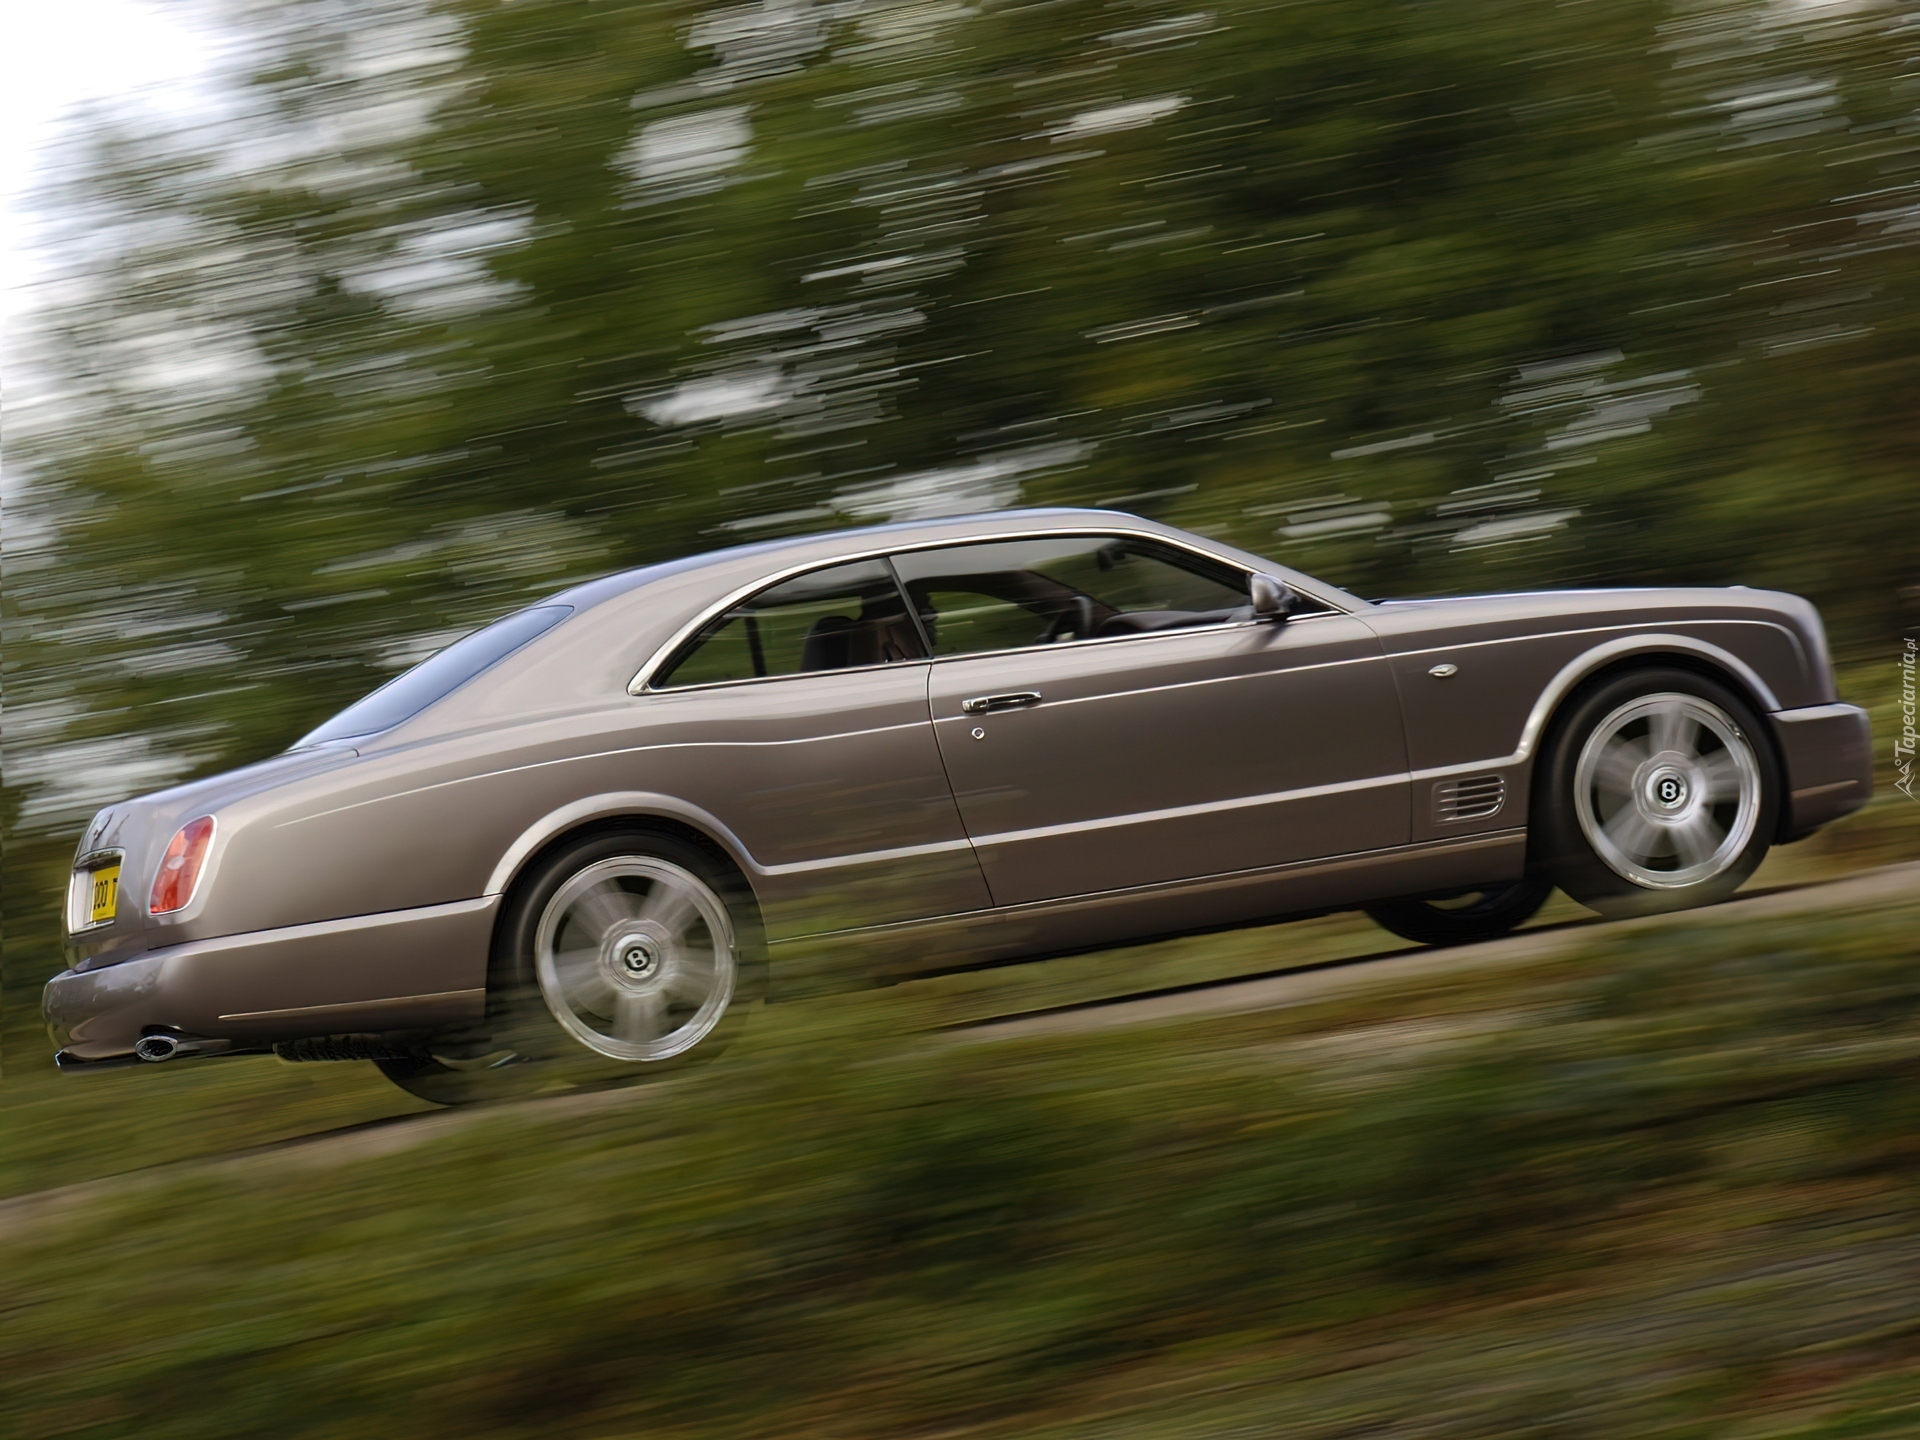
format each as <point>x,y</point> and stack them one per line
<point>1298,986</point>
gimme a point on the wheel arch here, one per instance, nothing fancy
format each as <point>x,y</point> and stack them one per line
<point>1620,657</point>
<point>622,810</point>
<point>1638,652</point>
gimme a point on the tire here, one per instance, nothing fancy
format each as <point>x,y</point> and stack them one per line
<point>1465,919</point>
<point>621,958</point>
<point>1659,790</point>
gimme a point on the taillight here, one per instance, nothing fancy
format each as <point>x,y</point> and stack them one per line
<point>180,867</point>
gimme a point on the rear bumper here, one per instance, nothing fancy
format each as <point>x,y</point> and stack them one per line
<point>403,970</point>
<point>1827,752</point>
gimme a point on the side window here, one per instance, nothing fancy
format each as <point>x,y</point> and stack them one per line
<point>829,620</point>
<point>1004,594</point>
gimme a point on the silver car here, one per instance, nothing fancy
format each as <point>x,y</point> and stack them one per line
<point>580,841</point>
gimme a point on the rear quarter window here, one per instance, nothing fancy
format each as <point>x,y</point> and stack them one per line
<point>437,677</point>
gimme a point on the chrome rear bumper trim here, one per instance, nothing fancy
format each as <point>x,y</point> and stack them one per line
<point>362,1007</point>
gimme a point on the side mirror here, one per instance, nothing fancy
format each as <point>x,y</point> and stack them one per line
<point>1273,598</point>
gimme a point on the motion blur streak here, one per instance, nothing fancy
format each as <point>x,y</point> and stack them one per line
<point>449,305</point>
<point>444,306</point>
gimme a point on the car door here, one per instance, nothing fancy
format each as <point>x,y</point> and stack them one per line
<point>798,719</point>
<point>1111,715</point>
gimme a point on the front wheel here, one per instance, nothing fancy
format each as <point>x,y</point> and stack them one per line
<point>620,958</point>
<point>1658,792</point>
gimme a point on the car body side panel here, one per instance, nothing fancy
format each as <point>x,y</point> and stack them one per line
<point>1514,658</point>
<point>827,782</point>
<point>1147,912</point>
<point>1171,756</point>
<point>371,974</point>
<point>1827,751</point>
<point>833,783</point>
<point>137,832</point>
<point>355,887</point>
<point>412,970</point>
<point>424,814</point>
<point>412,827</point>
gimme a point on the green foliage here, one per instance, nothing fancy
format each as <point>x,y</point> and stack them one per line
<point>460,302</point>
<point>845,1230</point>
<point>456,303</point>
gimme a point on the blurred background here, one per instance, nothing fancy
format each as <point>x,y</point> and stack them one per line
<point>395,316</point>
<point>382,319</point>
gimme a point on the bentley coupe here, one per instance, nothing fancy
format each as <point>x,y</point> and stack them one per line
<point>578,844</point>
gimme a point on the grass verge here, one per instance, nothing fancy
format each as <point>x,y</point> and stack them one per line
<point>1663,1185</point>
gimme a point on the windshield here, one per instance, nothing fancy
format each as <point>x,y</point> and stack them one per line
<point>437,677</point>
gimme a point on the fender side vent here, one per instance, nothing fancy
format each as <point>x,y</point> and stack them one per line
<point>1473,798</point>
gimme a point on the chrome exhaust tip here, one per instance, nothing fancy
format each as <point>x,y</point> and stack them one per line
<point>170,1045</point>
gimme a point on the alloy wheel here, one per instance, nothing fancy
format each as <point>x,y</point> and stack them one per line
<point>1667,790</point>
<point>636,958</point>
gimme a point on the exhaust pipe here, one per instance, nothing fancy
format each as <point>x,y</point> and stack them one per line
<point>163,1046</point>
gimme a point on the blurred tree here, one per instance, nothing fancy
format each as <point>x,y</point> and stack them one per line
<point>453,303</point>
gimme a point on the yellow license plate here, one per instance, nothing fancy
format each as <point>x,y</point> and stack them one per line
<point>106,893</point>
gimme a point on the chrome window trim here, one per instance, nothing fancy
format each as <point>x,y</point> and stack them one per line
<point>706,685</point>
<point>1052,649</point>
<point>642,682</point>
<point>1058,645</point>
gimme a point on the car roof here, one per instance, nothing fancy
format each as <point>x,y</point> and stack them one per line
<point>624,622</point>
<point>824,545</point>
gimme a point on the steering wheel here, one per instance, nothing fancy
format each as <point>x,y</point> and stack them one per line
<point>1075,620</point>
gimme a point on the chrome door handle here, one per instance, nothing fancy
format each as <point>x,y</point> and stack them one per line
<point>987,704</point>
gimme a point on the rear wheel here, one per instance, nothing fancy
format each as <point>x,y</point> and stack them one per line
<point>1473,915</point>
<point>621,958</point>
<point>1659,791</point>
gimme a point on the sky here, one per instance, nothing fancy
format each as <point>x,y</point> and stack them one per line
<point>62,53</point>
